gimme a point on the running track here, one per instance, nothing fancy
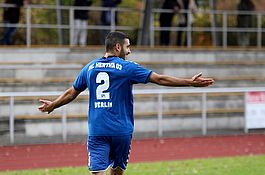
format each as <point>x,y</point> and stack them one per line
<point>147,150</point>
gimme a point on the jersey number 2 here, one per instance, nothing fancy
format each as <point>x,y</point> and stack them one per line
<point>101,89</point>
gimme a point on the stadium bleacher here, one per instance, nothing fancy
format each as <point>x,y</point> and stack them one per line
<point>49,69</point>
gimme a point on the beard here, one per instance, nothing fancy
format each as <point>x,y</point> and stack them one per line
<point>122,54</point>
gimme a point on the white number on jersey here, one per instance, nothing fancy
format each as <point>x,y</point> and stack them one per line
<point>101,95</point>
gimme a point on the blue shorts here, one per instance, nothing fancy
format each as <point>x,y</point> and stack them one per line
<point>108,151</point>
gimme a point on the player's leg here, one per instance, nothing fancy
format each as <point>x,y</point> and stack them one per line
<point>77,24</point>
<point>83,33</point>
<point>117,171</point>
<point>98,154</point>
<point>9,32</point>
<point>120,152</point>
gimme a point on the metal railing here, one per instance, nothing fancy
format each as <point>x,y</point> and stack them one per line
<point>224,28</point>
<point>159,92</point>
<point>28,25</point>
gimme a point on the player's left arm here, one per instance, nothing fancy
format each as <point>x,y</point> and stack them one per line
<point>166,80</point>
<point>68,96</point>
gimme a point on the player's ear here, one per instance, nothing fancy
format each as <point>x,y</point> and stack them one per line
<point>118,47</point>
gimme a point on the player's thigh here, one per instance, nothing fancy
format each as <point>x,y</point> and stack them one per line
<point>98,153</point>
<point>120,151</point>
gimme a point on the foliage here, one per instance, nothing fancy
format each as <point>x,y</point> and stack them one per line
<point>44,36</point>
<point>45,16</point>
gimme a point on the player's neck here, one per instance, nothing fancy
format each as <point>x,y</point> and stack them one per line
<point>110,54</point>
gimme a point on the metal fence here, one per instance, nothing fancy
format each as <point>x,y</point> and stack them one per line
<point>29,25</point>
<point>222,26</point>
<point>159,92</point>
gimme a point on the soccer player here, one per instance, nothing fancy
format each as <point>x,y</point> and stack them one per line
<point>109,80</point>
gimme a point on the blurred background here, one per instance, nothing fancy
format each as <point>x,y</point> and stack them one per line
<point>211,22</point>
<point>45,43</point>
<point>43,47</point>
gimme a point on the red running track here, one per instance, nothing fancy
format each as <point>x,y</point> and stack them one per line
<point>147,150</point>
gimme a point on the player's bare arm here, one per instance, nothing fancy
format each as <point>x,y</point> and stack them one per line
<point>68,96</point>
<point>166,80</point>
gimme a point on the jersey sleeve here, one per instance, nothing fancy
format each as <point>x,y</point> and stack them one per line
<point>140,74</point>
<point>80,83</point>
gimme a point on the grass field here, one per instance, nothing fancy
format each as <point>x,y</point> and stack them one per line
<point>247,165</point>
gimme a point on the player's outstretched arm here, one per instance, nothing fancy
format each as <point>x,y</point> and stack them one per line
<point>166,80</point>
<point>68,96</point>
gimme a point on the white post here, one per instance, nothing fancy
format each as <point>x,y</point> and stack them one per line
<point>112,22</point>
<point>213,22</point>
<point>224,30</point>
<point>160,115</point>
<point>204,114</point>
<point>189,30</point>
<point>71,22</point>
<point>11,120</point>
<point>59,21</point>
<point>259,34</point>
<point>28,22</point>
<point>245,112</point>
<point>152,32</point>
<point>64,124</point>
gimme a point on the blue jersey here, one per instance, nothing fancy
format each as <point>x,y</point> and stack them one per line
<point>109,82</point>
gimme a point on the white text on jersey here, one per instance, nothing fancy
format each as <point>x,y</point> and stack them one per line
<point>106,65</point>
<point>103,104</point>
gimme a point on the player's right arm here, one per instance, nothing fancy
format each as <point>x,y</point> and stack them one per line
<point>166,80</point>
<point>68,96</point>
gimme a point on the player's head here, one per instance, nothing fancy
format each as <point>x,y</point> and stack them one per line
<point>118,43</point>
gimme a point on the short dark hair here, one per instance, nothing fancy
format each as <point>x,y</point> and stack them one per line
<point>113,38</point>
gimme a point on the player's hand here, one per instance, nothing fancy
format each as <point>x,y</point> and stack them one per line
<point>46,106</point>
<point>199,81</point>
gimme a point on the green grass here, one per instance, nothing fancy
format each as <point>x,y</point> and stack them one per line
<point>247,165</point>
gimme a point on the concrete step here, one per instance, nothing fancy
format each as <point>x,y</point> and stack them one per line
<point>171,104</point>
<point>139,54</point>
<point>62,82</point>
<point>178,69</point>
